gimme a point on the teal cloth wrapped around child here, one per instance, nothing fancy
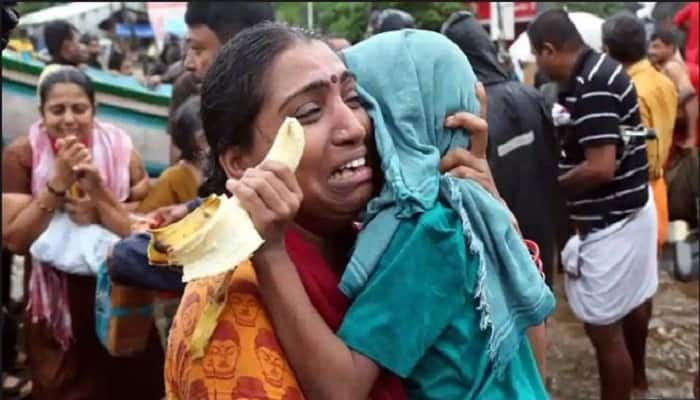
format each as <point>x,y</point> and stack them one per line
<point>411,80</point>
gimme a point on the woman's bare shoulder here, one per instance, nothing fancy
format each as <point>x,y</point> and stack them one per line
<point>19,149</point>
<point>18,144</point>
<point>16,165</point>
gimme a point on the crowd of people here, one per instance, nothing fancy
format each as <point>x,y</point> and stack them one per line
<point>403,258</point>
<point>61,42</point>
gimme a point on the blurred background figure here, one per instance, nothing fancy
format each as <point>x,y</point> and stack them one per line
<point>179,182</point>
<point>61,39</point>
<point>210,26</point>
<point>372,22</point>
<point>117,52</point>
<point>167,66</point>
<point>389,19</point>
<point>65,356</point>
<point>662,52</point>
<point>10,19</point>
<point>687,19</point>
<point>624,39</point>
<point>92,48</point>
<point>119,63</point>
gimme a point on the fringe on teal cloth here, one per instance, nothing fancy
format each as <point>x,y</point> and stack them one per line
<point>410,81</point>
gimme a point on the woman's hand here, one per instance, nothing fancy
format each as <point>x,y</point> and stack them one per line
<point>167,215</point>
<point>271,195</point>
<point>89,178</point>
<point>71,152</point>
<point>82,211</point>
<point>472,163</point>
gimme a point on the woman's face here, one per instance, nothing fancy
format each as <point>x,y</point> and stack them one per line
<point>67,111</point>
<point>309,82</point>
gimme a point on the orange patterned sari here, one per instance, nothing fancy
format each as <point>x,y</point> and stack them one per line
<point>243,359</point>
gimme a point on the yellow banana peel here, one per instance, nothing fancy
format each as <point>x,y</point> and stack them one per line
<point>208,320</point>
<point>218,236</point>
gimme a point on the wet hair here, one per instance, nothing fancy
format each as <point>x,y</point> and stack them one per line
<point>554,26</point>
<point>54,74</point>
<point>233,91</point>
<point>55,33</point>
<point>625,38</point>
<point>186,124</point>
<point>665,36</point>
<point>226,19</point>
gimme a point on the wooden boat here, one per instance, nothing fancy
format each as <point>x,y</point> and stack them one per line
<point>121,100</point>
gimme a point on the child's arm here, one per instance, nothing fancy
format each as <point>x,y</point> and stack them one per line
<point>138,178</point>
<point>538,341</point>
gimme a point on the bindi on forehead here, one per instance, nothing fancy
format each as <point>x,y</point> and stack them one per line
<point>334,78</point>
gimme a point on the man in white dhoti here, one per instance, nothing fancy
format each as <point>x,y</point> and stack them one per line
<point>611,262</point>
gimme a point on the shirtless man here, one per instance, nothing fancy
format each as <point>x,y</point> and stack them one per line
<point>662,53</point>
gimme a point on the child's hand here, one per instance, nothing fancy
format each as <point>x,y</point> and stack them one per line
<point>472,163</point>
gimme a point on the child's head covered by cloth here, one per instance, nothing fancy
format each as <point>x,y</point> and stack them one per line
<point>410,81</point>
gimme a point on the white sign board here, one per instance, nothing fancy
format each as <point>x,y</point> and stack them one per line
<point>502,20</point>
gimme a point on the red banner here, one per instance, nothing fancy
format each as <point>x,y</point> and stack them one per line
<point>524,10</point>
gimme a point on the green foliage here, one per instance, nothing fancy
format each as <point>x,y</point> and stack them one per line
<point>347,19</point>
<point>292,12</point>
<point>350,19</point>
<point>26,7</point>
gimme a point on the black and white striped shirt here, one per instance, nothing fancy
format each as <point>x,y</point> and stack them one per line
<point>601,100</point>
